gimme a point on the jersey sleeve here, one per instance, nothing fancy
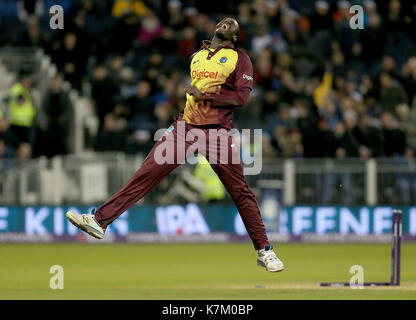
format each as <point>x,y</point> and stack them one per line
<point>244,72</point>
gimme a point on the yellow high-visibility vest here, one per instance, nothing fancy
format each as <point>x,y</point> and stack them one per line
<point>213,187</point>
<point>22,115</point>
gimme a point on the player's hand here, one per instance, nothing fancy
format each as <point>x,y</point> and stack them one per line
<point>194,91</point>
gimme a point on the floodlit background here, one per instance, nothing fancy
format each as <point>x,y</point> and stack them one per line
<point>336,105</point>
<point>79,107</point>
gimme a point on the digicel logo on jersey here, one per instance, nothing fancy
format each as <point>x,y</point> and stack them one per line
<point>204,74</point>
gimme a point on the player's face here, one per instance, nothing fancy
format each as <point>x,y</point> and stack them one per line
<point>227,29</point>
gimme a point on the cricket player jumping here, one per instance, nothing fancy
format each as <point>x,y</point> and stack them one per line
<point>222,79</point>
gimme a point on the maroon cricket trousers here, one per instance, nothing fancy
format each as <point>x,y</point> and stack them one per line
<point>165,156</point>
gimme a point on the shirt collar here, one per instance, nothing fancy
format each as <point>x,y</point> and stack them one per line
<point>206,43</point>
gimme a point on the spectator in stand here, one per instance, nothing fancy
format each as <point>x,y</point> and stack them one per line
<point>115,69</point>
<point>153,68</point>
<point>187,43</point>
<point>269,105</point>
<point>343,33</point>
<point>262,39</point>
<point>167,44</point>
<point>326,150</point>
<point>391,93</point>
<point>408,124</point>
<point>395,143</point>
<point>127,24</point>
<point>32,35</point>
<point>349,141</point>
<point>408,78</point>
<point>372,40</point>
<point>370,138</point>
<point>104,91</point>
<point>140,108</point>
<point>175,17</point>
<point>71,60</point>
<point>306,122</point>
<point>150,28</point>
<point>58,110</point>
<point>330,111</point>
<point>264,72</point>
<point>345,147</point>
<point>23,152</point>
<point>404,120</point>
<point>321,24</point>
<point>126,84</point>
<point>327,139</point>
<point>113,136</point>
<point>22,112</point>
<point>321,19</point>
<point>394,20</point>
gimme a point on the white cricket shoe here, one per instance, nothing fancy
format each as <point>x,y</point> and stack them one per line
<point>268,259</point>
<point>86,223</point>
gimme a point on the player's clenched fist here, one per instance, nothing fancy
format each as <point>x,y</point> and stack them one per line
<point>194,91</point>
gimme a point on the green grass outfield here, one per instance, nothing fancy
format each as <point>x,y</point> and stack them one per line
<point>198,271</point>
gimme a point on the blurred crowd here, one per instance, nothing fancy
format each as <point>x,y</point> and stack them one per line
<point>321,88</point>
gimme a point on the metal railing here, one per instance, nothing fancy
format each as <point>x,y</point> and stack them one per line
<point>91,178</point>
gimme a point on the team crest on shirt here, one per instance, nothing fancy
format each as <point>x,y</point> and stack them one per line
<point>223,59</point>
